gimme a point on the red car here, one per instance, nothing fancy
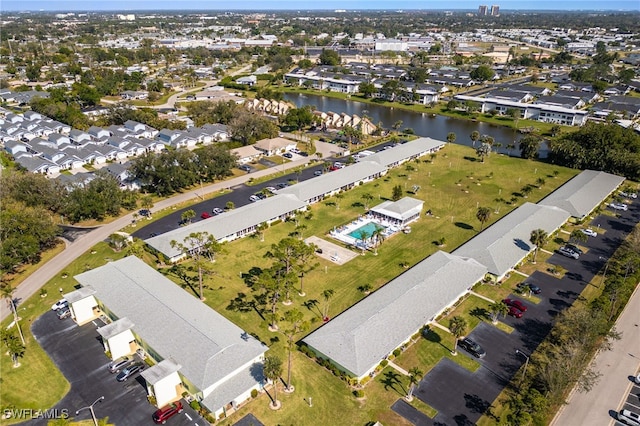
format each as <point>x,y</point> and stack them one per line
<point>515,312</point>
<point>205,215</point>
<point>163,414</point>
<point>516,304</point>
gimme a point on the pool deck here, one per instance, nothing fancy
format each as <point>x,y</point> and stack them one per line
<point>342,233</point>
<point>330,251</point>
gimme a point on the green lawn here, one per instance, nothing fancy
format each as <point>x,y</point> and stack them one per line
<point>453,186</point>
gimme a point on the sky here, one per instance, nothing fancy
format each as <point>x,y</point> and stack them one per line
<point>122,5</point>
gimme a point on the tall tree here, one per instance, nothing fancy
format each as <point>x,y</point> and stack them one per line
<point>415,374</point>
<point>497,308</point>
<point>483,151</point>
<point>475,136</point>
<point>529,146</point>
<point>538,239</point>
<point>451,137</point>
<point>295,325</point>
<point>7,293</point>
<point>272,370</point>
<point>187,216</point>
<point>457,326</point>
<point>202,247</point>
<point>483,214</point>
<point>326,295</point>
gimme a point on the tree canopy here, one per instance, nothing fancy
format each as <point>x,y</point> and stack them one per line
<point>607,147</point>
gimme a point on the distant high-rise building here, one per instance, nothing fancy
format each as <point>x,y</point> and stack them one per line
<point>482,10</point>
<point>495,10</point>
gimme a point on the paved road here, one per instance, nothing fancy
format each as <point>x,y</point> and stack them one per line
<point>616,365</point>
<point>42,275</point>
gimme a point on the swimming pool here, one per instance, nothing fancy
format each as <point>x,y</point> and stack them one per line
<point>367,229</point>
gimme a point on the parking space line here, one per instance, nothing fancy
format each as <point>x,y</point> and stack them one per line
<point>188,416</point>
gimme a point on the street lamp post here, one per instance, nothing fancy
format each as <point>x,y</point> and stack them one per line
<point>90,408</point>
<point>526,363</point>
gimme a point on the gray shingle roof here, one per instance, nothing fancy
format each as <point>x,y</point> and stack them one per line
<point>505,243</point>
<point>583,193</point>
<point>234,386</point>
<point>399,209</point>
<point>229,223</point>
<point>161,370</point>
<point>173,322</point>
<point>359,338</point>
<point>113,329</point>
<point>79,294</point>
<point>313,188</point>
<point>401,152</point>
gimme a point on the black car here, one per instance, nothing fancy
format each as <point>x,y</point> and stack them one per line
<point>527,286</point>
<point>245,168</point>
<point>472,347</point>
<point>281,185</point>
<point>130,371</point>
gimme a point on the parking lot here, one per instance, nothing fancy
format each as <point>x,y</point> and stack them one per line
<point>462,397</point>
<point>79,354</point>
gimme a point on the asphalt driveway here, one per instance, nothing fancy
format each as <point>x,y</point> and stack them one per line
<point>462,397</point>
<point>79,354</point>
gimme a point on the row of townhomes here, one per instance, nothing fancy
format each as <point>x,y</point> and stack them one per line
<point>288,201</point>
<point>352,340</point>
<point>201,353</point>
<point>42,145</point>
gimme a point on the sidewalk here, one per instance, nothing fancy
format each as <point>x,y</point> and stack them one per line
<point>40,277</point>
<point>615,366</point>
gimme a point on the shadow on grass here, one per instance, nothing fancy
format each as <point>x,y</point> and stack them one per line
<point>463,225</point>
<point>391,379</point>
<point>434,337</point>
<point>480,313</point>
<point>472,159</point>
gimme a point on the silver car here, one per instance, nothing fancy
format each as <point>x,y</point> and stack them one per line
<point>565,251</point>
<point>120,363</point>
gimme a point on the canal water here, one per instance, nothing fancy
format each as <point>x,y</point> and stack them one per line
<point>436,127</point>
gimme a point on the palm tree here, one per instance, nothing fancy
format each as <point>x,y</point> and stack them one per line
<point>538,238</point>
<point>483,214</point>
<point>188,216</point>
<point>578,236</point>
<point>415,374</point>
<point>457,326</point>
<point>200,246</point>
<point>497,308</point>
<point>326,295</point>
<point>272,370</point>
<point>367,199</point>
<point>475,136</point>
<point>295,320</point>
<point>377,237</point>
<point>451,137</point>
<point>7,293</point>
<point>483,151</point>
<point>260,228</point>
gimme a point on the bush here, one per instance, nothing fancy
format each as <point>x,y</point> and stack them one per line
<point>254,393</point>
<point>359,393</point>
<point>195,405</point>
<point>384,363</point>
<point>397,352</point>
<point>365,380</point>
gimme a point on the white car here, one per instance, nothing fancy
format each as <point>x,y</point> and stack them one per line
<point>271,189</point>
<point>619,206</point>
<point>62,303</point>
<point>629,418</point>
<point>254,198</point>
<point>629,194</point>
<point>589,232</point>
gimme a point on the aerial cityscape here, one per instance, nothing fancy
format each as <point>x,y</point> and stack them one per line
<point>344,213</point>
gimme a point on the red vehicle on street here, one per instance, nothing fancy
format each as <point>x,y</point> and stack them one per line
<point>163,414</point>
<point>516,304</point>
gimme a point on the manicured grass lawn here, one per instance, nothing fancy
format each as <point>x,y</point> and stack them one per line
<point>473,309</point>
<point>453,186</point>
<point>37,383</point>
<point>427,351</point>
